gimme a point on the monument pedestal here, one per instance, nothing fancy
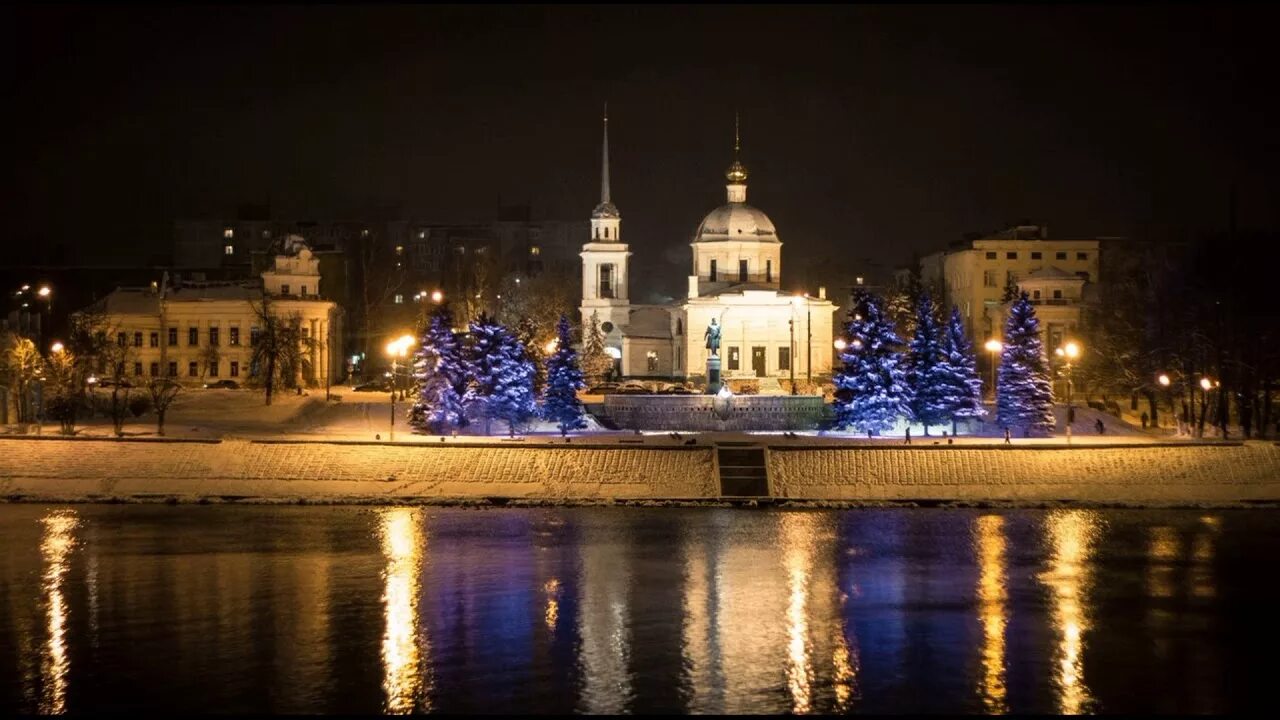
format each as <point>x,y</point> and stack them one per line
<point>713,375</point>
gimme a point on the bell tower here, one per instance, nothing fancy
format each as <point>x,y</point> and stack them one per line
<point>605,288</point>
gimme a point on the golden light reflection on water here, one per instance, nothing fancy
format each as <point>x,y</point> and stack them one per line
<point>604,653</point>
<point>56,544</point>
<point>1202,552</point>
<point>797,538</point>
<point>1072,535</point>
<point>844,664</point>
<point>1163,549</point>
<point>552,614</point>
<point>992,597</point>
<point>404,648</point>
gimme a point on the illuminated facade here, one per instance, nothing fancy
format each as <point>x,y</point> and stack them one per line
<point>735,279</point>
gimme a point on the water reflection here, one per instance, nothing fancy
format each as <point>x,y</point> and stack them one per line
<point>56,544</point>
<point>1071,535</point>
<point>992,612</point>
<point>1202,551</point>
<point>401,533</point>
<point>605,653</point>
<point>797,538</point>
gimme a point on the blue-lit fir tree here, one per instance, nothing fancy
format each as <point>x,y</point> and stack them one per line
<point>871,387</point>
<point>441,374</point>
<point>926,367</point>
<point>501,376</point>
<point>1024,397</point>
<point>964,387</point>
<point>564,380</point>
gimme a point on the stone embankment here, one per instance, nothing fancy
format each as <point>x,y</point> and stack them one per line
<point>336,472</point>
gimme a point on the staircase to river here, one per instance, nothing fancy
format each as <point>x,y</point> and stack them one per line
<point>742,470</point>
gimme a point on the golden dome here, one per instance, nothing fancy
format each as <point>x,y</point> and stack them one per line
<point>737,173</point>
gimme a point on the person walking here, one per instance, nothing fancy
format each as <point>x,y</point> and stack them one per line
<point>1100,427</point>
<point>1145,418</point>
<point>1007,440</point>
<point>908,435</point>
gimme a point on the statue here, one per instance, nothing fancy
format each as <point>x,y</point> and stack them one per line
<point>713,338</point>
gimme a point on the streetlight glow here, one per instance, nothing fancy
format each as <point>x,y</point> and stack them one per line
<point>551,345</point>
<point>841,344</point>
<point>56,347</point>
<point>44,291</point>
<point>1205,384</point>
<point>994,345</point>
<point>1163,380</point>
<point>437,297</point>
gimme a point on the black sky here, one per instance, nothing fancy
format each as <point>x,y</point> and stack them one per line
<point>869,131</point>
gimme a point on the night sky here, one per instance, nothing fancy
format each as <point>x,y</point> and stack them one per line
<point>869,132</point>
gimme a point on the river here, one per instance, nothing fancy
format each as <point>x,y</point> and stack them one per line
<point>398,609</point>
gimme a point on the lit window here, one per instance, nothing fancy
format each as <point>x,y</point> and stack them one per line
<point>422,234</point>
<point>364,233</point>
<point>229,250</point>
<point>652,361</point>
<point>399,299</point>
<point>399,249</point>
<point>228,233</point>
<point>858,280</point>
<point>535,250</point>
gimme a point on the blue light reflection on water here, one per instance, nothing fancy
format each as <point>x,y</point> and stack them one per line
<point>406,609</point>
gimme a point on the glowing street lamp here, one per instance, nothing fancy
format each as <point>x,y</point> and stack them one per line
<point>56,347</point>
<point>437,297</point>
<point>993,346</point>
<point>1069,352</point>
<point>396,349</point>
<point>1206,384</point>
<point>840,344</point>
<point>44,291</point>
<point>1163,380</point>
<point>551,346</point>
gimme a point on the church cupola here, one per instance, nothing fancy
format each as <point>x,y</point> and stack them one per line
<point>606,221</point>
<point>737,172</point>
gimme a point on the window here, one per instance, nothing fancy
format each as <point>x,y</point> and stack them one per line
<point>1082,256</point>
<point>784,358</point>
<point>173,368</point>
<point>1035,294</point>
<point>606,281</point>
<point>137,339</point>
<point>306,332</point>
<point>234,336</point>
<point>991,255</point>
<point>213,335</point>
<point>155,369</point>
<point>1035,255</point>
<point>193,369</point>
<point>304,291</point>
<point>1060,256</point>
<point>193,336</point>
<point>213,368</point>
<point>284,289</point>
<point>422,234</point>
<point>712,274</point>
<point>988,278</point>
<point>235,368</point>
<point>399,299</point>
<point>253,336</point>
<point>1011,255</point>
<point>535,250</point>
<point>137,368</point>
<point>155,339</point>
<point>173,336</point>
<point>399,249</point>
<point>228,249</point>
<point>228,233</point>
<point>742,271</point>
<point>1057,294</point>
<point>768,271</point>
<point>266,234</point>
<point>733,358</point>
<point>122,339</point>
<point>606,233</point>
<point>651,360</point>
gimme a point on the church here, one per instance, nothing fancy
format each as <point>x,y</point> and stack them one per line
<point>734,292</point>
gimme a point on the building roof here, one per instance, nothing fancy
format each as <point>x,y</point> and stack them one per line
<point>736,221</point>
<point>649,322</point>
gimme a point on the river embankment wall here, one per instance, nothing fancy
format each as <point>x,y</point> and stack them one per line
<point>109,470</point>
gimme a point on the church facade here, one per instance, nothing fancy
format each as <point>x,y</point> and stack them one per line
<point>734,283</point>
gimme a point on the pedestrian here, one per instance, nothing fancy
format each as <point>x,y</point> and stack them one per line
<point>1145,418</point>
<point>1101,428</point>
<point>908,435</point>
<point>1007,440</point>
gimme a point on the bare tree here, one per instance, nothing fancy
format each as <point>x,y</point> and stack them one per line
<point>279,348</point>
<point>20,364</point>
<point>162,391</point>
<point>116,357</point>
<point>209,356</point>
<point>382,273</point>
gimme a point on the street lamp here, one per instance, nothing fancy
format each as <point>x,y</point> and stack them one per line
<point>840,344</point>
<point>396,349</point>
<point>1069,352</point>
<point>993,346</point>
<point>56,347</point>
<point>437,297</point>
<point>791,361</point>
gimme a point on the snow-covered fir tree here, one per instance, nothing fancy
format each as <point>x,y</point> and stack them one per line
<point>871,387</point>
<point>440,374</point>
<point>1024,397</point>
<point>963,386</point>
<point>595,361</point>
<point>926,367</point>
<point>564,379</point>
<point>501,377</point>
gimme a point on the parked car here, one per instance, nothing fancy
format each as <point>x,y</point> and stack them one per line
<point>112,383</point>
<point>632,388</point>
<point>603,389</point>
<point>223,385</point>
<point>374,386</point>
<point>680,390</point>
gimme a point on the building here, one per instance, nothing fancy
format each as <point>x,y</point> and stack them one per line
<point>195,332</point>
<point>734,280</point>
<point>1058,275</point>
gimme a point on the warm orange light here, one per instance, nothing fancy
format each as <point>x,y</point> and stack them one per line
<point>56,347</point>
<point>437,296</point>
<point>994,345</point>
<point>44,291</point>
<point>841,344</point>
<point>1206,384</point>
<point>1163,380</point>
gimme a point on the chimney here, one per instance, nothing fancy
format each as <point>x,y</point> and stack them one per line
<point>693,286</point>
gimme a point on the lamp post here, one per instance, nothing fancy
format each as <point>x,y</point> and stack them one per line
<point>1166,383</point>
<point>1069,352</point>
<point>791,360</point>
<point>993,346</point>
<point>397,349</point>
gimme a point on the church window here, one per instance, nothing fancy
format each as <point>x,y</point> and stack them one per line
<point>733,358</point>
<point>606,233</point>
<point>606,281</point>
<point>712,274</point>
<point>784,358</point>
<point>742,271</point>
<point>679,326</point>
<point>768,271</point>
<point>651,359</point>
<point>606,326</point>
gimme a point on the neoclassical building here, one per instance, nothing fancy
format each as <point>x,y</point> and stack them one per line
<point>196,332</point>
<point>734,280</point>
